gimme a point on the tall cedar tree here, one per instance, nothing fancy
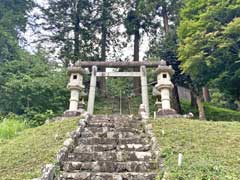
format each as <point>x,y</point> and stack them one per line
<point>83,29</point>
<point>138,22</point>
<point>164,45</point>
<point>106,23</point>
<point>69,24</point>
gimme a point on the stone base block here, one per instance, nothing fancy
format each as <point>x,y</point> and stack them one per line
<point>71,113</point>
<point>166,112</point>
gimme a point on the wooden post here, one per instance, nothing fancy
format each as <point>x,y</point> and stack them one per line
<point>144,86</point>
<point>92,90</point>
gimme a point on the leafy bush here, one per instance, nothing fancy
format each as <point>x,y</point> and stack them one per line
<point>34,119</point>
<point>221,114</point>
<point>33,83</point>
<point>11,125</point>
<point>212,112</point>
<point>221,99</point>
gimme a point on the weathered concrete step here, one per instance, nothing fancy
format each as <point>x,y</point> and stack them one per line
<point>100,124</point>
<point>108,166</point>
<point>113,141</point>
<point>115,124</point>
<point>111,134</point>
<point>101,147</point>
<point>108,176</point>
<point>117,129</point>
<point>120,156</point>
<point>115,118</point>
<point>116,121</point>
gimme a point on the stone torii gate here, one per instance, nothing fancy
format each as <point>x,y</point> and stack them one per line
<point>76,86</point>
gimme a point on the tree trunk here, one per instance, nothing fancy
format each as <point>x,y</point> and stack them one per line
<point>165,18</point>
<point>206,94</point>
<point>176,100</point>
<point>193,100</point>
<point>102,82</point>
<point>137,86</point>
<point>76,52</point>
<point>200,108</point>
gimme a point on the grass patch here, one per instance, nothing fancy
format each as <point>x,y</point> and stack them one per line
<point>213,113</point>
<point>10,128</point>
<point>211,150</point>
<point>23,156</point>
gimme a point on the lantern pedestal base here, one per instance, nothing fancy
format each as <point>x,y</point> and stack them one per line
<point>166,113</point>
<point>72,113</point>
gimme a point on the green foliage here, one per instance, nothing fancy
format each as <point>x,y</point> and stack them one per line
<point>222,99</point>
<point>23,156</point>
<point>115,85</point>
<point>209,43</point>
<point>213,113</point>
<point>205,147</point>
<point>166,48</point>
<point>88,27</point>
<point>32,84</point>
<point>64,18</point>
<point>35,119</point>
<point>9,46</point>
<point>13,19</point>
<point>140,16</point>
<point>11,126</point>
<point>13,14</point>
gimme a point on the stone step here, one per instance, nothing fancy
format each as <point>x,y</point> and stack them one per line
<point>114,124</point>
<point>115,118</point>
<point>113,141</point>
<point>111,148</point>
<point>118,156</point>
<point>112,134</point>
<point>109,166</point>
<point>116,121</point>
<point>100,124</point>
<point>100,147</point>
<point>108,176</point>
<point>110,129</point>
<point>135,127</point>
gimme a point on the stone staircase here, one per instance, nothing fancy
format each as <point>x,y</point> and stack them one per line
<point>112,148</point>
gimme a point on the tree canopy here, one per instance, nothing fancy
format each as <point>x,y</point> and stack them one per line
<point>13,19</point>
<point>200,39</point>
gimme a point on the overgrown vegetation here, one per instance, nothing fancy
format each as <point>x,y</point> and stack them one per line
<point>23,156</point>
<point>31,84</point>
<point>210,150</point>
<point>11,126</point>
<point>213,113</point>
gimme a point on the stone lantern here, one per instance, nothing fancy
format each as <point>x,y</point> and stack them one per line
<point>76,88</point>
<point>164,87</point>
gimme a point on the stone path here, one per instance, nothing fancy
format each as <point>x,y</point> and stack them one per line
<point>112,148</point>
